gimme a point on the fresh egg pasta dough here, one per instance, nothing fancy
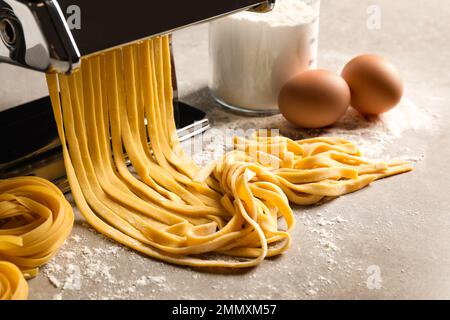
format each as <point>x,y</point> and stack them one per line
<point>225,215</point>
<point>35,220</point>
<point>13,285</point>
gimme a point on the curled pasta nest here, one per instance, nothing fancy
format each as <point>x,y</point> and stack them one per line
<point>167,207</point>
<point>13,285</point>
<point>35,220</point>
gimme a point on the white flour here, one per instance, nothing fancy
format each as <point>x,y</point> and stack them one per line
<point>372,135</point>
<point>79,267</point>
<point>253,55</point>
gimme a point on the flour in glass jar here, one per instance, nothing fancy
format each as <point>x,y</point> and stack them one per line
<point>252,55</point>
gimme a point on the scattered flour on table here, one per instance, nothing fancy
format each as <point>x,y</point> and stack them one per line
<point>313,273</point>
<point>78,267</point>
<point>325,228</point>
<point>371,134</point>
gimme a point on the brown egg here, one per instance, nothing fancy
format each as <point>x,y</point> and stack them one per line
<point>375,84</point>
<point>314,99</point>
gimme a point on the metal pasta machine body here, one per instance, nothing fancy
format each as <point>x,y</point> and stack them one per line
<point>38,35</point>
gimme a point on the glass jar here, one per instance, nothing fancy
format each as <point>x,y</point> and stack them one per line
<point>252,55</point>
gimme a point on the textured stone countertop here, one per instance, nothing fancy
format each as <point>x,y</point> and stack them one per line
<point>396,231</point>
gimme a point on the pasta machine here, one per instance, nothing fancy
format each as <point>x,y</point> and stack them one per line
<point>37,35</point>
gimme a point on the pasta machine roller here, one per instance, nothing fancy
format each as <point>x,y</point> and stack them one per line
<point>36,35</point>
<point>39,35</point>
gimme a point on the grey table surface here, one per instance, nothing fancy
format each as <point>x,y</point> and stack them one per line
<point>391,240</point>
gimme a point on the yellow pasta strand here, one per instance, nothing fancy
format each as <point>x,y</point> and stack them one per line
<point>165,206</point>
<point>35,220</point>
<point>13,285</point>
